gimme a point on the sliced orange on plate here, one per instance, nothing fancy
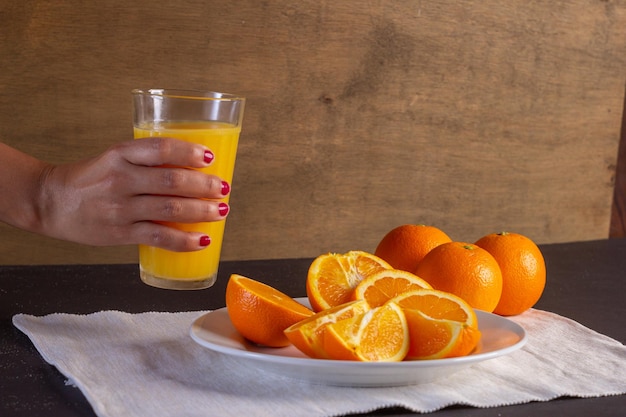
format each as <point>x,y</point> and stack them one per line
<point>441,325</point>
<point>308,335</point>
<point>395,317</point>
<point>260,312</point>
<point>382,286</point>
<point>378,335</point>
<point>332,277</point>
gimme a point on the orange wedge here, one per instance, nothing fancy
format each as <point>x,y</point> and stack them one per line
<point>308,334</point>
<point>260,312</point>
<point>382,286</point>
<point>441,325</point>
<point>378,335</point>
<point>332,277</point>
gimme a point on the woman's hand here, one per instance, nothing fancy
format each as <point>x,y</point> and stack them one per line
<point>124,195</point>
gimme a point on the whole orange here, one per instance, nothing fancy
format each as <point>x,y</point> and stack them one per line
<point>464,270</point>
<point>405,246</point>
<point>523,270</point>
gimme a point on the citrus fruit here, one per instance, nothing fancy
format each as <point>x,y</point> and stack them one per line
<point>405,246</point>
<point>523,271</point>
<point>465,270</point>
<point>308,335</point>
<point>261,313</point>
<point>441,325</point>
<point>378,335</point>
<point>332,277</point>
<point>382,286</point>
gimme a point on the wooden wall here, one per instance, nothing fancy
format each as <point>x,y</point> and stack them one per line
<point>362,115</point>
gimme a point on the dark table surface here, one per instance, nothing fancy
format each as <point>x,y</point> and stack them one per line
<point>586,282</point>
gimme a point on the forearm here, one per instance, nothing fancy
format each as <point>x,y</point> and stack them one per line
<point>126,195</point>
<point>20,188</point>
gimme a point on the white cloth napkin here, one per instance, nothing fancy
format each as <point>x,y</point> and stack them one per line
<point>148,365</point>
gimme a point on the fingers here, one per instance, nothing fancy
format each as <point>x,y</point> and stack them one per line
<point>170,156</point>
<point>178,181</point>
<point>157,151</point>
<point>161,221</point>
<point>177,210</point>
<point>154,234</point>
<point>161,188</point>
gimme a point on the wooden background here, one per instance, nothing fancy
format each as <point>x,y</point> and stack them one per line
<point>474,116</point>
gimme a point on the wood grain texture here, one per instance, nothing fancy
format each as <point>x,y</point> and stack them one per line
<point>471,116</point>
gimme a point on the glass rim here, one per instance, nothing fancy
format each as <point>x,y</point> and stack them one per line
<point>187,94</point>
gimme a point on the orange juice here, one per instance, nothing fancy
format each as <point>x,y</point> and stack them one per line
<point>162,265</point>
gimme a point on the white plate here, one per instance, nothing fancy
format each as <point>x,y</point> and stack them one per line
<point>215,331</point>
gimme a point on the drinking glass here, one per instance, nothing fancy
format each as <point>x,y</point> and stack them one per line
<point>214,120</point>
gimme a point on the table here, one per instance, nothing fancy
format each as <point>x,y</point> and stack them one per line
<point>586,282</point>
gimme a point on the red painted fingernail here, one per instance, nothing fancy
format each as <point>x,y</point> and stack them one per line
<point>225,188</point>
<point>205,241</point>
<point>208,156</point>
<point>223,209</point>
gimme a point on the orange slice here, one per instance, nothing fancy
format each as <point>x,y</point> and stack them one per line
<point>308,334</point>
<point>332,277</point>
<point>260,312</point>
<point>441,325</point>
<point>378,335</point>
<point>382,286</point>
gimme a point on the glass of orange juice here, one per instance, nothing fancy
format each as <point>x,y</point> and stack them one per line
<point>214,120</point>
